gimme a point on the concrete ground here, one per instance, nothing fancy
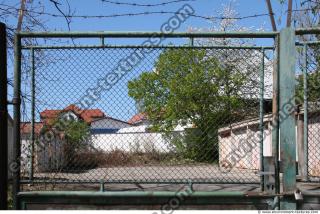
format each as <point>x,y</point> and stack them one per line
<point>235,181</point>
<point>133,178</point>
<point>207,173</point>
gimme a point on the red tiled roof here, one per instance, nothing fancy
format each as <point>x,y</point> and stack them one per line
<point>88,115</point>
<point>138,118</point>
<point>49,113</point>
<point>25,128</point>
<point>72,107</point>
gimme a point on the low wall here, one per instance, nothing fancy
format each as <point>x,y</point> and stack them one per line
<point>131,142</point>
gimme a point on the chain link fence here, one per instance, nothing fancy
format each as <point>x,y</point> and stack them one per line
<point>308,91</point>
<point>313,106</point>
<point>133,114</point>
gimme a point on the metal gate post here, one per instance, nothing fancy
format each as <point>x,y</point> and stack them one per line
<point>261,125</point>
<point>305,112</point>
<point>15,167</point>
<point>32,114</point>
<point>3,120</point>
<point>287,117</point>
<point>274,163</point>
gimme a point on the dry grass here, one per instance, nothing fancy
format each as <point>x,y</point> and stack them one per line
<point>97,159</point>
<point>86,160</point>
<point>121,158</point>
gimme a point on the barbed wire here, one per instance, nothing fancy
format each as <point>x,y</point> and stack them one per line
<point>133,14</point>
<point>145,5</point>
<point>305,9</point>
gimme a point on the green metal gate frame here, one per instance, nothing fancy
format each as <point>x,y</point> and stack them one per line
<point>283,86</point>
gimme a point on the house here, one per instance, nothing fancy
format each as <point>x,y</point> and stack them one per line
<point>71,112</point>
<point>139,119</point>
<point>231,137</point>
<point>107,125</point>
<point>97,120</point>
<point>49,153</point>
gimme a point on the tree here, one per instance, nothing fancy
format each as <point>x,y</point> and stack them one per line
<point>73,134</point>
<point>208,88</point>
<point>22,15</point>
<point>193,87</point>
<point>313,76</point>
<point>313,92</point>
<point>307,15</point>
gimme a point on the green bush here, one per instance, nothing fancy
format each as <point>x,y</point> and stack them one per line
<point>196,145</point>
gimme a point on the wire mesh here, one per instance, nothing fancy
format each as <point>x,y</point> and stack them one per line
<point>313,105</point>
<point>307,101</point>
<point>146,115</point>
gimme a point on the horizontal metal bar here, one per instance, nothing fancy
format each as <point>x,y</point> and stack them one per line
<point>310,180</point>
<point>62,194</point>
<point>266,173</point>
<point>148,47</point>
<point>130,182</point>
<point>309,193</point>
<point>308,43</point>
<point>143,199</point>
<point>303,31</point>
<point>140,199</point>
<point>106,34</point>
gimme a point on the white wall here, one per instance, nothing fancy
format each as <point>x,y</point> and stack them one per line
<point>131,139</point>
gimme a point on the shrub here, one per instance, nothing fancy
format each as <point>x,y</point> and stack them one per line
<point>196,145</point>
<point>83,160</point>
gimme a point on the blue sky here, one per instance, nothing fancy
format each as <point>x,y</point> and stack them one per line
<point>64,82</point>
<point>153,22</point>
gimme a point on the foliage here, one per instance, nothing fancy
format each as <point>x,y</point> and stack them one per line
<point>208,89</point>
<point>313,78</point>
<point>75,132</point>
<point>72,131</point>
<point>195,145</point>
<point>305,14</point>
<point>192,87</point>
<point>313,87</point>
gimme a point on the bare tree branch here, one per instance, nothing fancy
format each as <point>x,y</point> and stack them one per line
<point>66,17</point>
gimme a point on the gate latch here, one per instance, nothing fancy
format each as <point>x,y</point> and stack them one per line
<point>298,195</point>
